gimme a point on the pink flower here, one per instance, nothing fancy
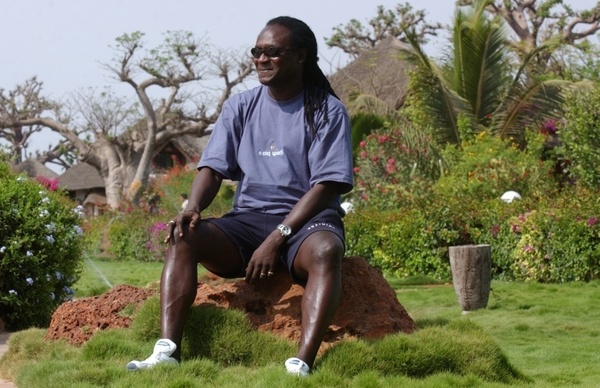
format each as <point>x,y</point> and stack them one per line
<point>363,154</point>
<point>382,139</point>
<point>391,166</point>
<point>528,249</point>
<point>592,221</point>
<point>362,144</point>
<point>356,170</point>
<point>494,230</point>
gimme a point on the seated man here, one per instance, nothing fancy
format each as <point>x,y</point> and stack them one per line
<point>287,142</point>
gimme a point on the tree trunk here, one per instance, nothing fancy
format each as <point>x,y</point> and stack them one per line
<point>471,274</point>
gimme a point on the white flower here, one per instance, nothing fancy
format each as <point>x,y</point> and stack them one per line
<point>44,213</point>
<point>80,211</point>
<point>58,275</point>
<point>51,227</point>
<point>41,192</point>
<point>78,230</point>
<point>50,239</point>
<point>29,253</point>
<point>12,292</point>
<point>45,200</point>
<point>29,281</point>
<point>2,249</point>
<point>19,179</point>
<point>52,295</point>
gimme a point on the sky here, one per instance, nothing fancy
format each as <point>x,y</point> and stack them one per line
<point>65,42</point>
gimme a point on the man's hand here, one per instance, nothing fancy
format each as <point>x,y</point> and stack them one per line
<point>265,258</point>
<point>187,217</point>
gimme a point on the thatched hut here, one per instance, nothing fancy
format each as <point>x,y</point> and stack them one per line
<point>86,186</point>
<point>378,72</point>
<point>35,169</point>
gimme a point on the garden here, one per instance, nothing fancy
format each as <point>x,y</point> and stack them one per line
<point>428,177</point>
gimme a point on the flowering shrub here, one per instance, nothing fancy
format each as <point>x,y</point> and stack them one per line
<point>40,250</point>
<point>487,166</point>
<point>559,243</point>
<point>394,167</point>
<point>580,137</point>
<point>138,232</point>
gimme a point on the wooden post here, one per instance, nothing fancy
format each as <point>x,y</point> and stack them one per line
<point>472,275</point>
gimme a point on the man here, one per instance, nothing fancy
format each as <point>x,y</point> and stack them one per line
<point>288,144</point>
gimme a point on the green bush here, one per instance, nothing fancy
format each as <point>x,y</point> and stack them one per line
<point>40,250</point>
<point>554,239</point>
<point>487,166</point>
<point>399,243</point>
<point>580,137</point>
<point>137,232</point>
<point>394,167</point>
<point>560,240</point>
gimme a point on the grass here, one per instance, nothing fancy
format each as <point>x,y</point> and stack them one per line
<point>541,335</point>
<point>100,273</point>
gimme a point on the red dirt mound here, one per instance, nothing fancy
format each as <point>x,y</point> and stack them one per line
<point>369,309</point>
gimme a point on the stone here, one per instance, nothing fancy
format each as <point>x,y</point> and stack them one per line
<point>370,308</point>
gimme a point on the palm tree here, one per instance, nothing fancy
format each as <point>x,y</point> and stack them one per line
<point>477,87</point>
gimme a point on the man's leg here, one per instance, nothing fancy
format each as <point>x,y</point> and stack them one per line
<point>207,245</point>
<point>319,260</point>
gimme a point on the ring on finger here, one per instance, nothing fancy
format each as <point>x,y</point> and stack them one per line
<point>270,273</point>
<point>171,222</point>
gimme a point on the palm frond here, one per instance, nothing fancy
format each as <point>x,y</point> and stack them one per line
<point>528,106</point>
<point>529,101</point>
<point>480,60</point>
<point>443,105</point>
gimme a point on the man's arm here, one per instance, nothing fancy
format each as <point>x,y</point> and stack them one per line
<point>312,203</point>
<point>204,189</point>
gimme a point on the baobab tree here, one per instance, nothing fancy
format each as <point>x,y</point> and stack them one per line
<point>119,136</point>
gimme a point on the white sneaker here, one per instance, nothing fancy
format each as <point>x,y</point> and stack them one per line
<point>162,353</point>
<point>296,366</point>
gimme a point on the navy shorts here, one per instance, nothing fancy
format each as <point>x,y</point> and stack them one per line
<point>247,230</point>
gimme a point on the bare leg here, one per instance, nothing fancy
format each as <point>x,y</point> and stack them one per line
<point>319,260</point>
<point>179,280</point>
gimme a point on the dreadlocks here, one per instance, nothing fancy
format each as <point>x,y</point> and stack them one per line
<point>316,85</point>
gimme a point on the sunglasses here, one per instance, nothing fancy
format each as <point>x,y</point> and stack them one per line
<point>271,52</point>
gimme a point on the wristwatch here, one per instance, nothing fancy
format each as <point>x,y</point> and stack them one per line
<point>285,230</point>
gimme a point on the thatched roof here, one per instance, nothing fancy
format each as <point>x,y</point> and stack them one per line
<point>379,72</point>
<point>81,176</point>
<point>34,169</point>
<point>191,146</point>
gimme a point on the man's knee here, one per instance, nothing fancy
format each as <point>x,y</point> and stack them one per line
<point>326,251</point>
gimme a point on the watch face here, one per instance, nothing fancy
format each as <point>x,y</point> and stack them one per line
<point>285,230</point>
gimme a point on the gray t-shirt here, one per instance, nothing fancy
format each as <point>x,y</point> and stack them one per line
<point>268,147</point>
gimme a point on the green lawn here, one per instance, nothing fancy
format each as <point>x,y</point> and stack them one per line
<point>99,274</point>
<point>548,331</point>
<point>542,335</point>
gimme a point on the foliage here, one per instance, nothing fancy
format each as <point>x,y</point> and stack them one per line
<point>138,232</point>
<point>560,240</point>
<point>488,166</point>
<point>394,167</point>
<point>476,81</point>
<point>40,250</point>
<point>580,137</point>
<point>537,23</point>
<point>463,207</point>
<point>400,244</point>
